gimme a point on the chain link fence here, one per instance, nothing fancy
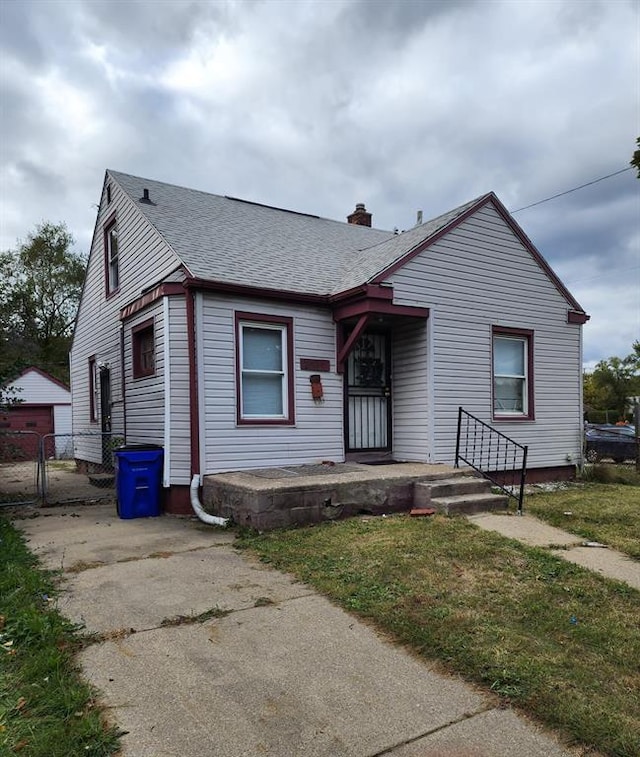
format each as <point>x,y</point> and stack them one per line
<point>20,468</point>
<point>79,467</point>
<point>57,468</point>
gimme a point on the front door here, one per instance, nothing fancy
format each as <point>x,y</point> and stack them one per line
<point>368,401</point>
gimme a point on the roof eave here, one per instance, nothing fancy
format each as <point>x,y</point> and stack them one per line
<point>247,290</point>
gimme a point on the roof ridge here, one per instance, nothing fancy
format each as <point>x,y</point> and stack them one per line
<point>255,203</point>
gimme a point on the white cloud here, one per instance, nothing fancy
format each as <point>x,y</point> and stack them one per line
<point>318,105</point>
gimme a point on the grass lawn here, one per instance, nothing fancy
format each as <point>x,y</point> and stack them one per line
<point>608,513</point>
<point>45,709</point>
<point>550,638</point>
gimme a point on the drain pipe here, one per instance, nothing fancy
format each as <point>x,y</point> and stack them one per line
<point>211,520</point>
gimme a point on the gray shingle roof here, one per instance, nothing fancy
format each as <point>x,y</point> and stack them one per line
<point>236,242</point>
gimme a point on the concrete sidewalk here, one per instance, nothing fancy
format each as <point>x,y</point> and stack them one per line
<point>529,530</point>
<point>276,670</point>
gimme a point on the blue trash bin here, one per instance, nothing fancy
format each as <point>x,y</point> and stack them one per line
<point>139,480</point>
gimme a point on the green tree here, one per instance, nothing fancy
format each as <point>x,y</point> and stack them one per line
<point>612,382</point>
<point>635,161</point>
<point>42,282</point>
<point>593,394</point>
<point>8,396</point>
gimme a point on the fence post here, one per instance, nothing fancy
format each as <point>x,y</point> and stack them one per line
<point>43,472</point>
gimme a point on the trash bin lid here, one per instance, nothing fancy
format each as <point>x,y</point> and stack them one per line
<point>137,447</point>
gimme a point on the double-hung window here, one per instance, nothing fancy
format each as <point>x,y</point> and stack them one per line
<point>512,374</point>
<point>265,368</point>
<point>111,257</point>
<point>93,389</point>
<point>143,348</point>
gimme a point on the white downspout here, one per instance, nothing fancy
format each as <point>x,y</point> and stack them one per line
<point>211,520</point>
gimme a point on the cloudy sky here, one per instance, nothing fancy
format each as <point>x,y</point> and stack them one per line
<point>315,105</point>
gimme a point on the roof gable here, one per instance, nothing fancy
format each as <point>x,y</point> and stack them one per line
<point>451,220</point>
<point>34,379</point>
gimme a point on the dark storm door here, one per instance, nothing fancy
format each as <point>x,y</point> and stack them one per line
<point>105,400</point>
<point>368,401</point>
<point>105,415</point>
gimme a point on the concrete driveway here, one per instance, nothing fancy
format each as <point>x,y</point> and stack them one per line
<point>200,650</point>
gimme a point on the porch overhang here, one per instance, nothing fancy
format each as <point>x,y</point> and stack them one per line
<point>363,305</point>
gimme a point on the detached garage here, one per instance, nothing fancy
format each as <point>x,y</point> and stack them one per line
<point>44,408</point>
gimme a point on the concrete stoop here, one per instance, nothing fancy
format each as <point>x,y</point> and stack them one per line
<point>458,496</point>
<point>304,494</point>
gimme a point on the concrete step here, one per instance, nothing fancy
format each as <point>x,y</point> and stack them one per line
<point>465,504</point>
<point>425,491</point>
<point>102,480</point>
<point>451,487</point>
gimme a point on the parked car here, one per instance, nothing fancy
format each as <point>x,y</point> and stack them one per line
<point>606,441</point>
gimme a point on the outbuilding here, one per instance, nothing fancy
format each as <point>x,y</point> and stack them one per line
<point>43,407</point>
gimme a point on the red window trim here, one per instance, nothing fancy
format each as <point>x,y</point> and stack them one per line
<point>287,322</point>
<point>107,226</point>
<point>93,410</point>
<point>139,371</point>
<point>522,334</point>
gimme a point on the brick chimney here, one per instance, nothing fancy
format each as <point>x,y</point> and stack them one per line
<point>360,217</point>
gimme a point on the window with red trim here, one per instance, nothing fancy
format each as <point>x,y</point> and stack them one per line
<point>144,349</point>
<point>93,390</point>
<point>111,257</point>
<point>512,360</point>
<point>264,369</point>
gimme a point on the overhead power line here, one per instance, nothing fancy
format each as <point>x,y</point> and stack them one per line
<point>575,189</point>
<point>612,272</point>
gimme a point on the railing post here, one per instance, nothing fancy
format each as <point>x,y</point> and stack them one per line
<point>522,475</point>
<point>503,451</point>
<point>458,436</point>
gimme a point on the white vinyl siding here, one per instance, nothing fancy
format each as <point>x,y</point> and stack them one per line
<point>410,393</point>
<point>35,389</point>
<point>318,431</point>
<point>180,437</point>
<point>477,277</point>
<point>144,259</point>
<point>145,394</point>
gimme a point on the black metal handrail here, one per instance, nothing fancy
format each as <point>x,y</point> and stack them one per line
<point>492,454</point>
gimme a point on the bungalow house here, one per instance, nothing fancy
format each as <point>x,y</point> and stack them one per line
<point>242,336</point>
